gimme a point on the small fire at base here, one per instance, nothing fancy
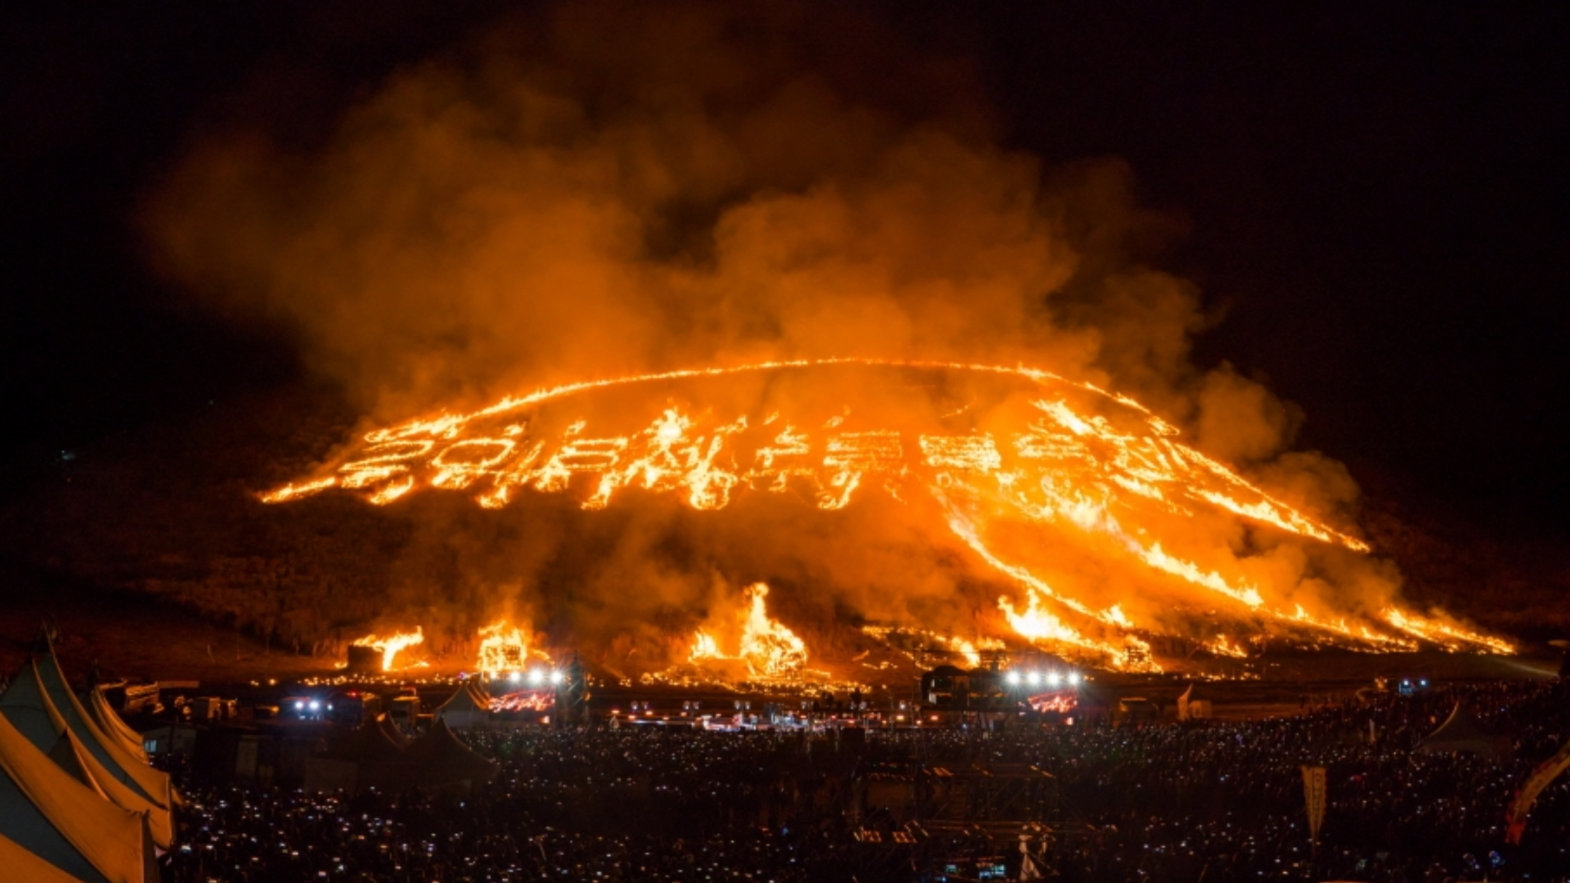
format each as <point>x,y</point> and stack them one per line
<point>769,650</point>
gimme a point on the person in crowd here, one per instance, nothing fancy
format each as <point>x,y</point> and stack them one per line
<point>1199,800</point>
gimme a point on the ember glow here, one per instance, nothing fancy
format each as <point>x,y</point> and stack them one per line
<point>1043,465</point>
<point>391,645</point>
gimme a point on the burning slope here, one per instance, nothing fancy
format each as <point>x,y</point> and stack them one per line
<point>1106,523</point>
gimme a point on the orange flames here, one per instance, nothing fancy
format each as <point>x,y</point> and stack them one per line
<point>504,648</point>
<point>1223,646</point>
<point>1087,464</point>
<point>392,645</point>
<point>770,650</point>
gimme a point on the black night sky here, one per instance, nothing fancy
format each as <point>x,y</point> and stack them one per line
<point>1373,198</point>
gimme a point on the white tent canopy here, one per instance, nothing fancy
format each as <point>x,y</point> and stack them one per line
<point>104,715</point>
<point>67,823</point>
<point>468,706</point>
<point>29,708</point>
<point>160,820</point>
<point>152,784</point>
<point>19,864</point>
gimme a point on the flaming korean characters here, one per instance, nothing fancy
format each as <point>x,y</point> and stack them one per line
<point>1099,525</point>
<point>934,380</point>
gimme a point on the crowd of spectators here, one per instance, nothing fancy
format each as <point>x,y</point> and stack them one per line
<point>1193,801</point>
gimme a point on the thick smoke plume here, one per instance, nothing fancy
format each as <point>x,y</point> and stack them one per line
<point>612,188</point>
<point>625,187</point>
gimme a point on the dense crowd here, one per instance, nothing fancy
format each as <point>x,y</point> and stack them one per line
<point>1224,800</point>
<point>1196,801</point>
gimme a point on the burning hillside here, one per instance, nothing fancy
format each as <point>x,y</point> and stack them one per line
<point>1101,524</point>
<point>558,203</point>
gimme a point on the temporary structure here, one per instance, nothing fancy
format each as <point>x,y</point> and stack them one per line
<point>151,783</point>
<point>20,864</point>
<point>391,731</point>
<point>27,705</point>
<point>103,714</point>
<point>160,820</point>
<point>373,758</point>
<point>467,707</point>
<point>439,759</point>
<point>66,823</point>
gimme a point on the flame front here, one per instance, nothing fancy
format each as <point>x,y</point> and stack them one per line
<point>1451,637</point>
<point>391,646</point>
<point>1091,466</point>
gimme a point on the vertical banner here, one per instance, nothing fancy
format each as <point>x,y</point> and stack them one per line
<point>1314,797</point>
